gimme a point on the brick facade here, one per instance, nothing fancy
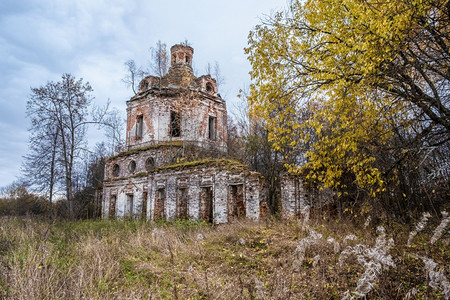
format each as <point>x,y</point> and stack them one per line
<point>172,119</point>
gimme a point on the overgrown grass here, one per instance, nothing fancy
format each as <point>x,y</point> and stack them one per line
<point>109,259</point>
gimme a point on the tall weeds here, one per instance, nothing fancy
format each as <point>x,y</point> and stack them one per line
<point>270,260</point>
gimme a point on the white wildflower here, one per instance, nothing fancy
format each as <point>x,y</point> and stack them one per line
<point>200,237</point>
<point>336,247</point>
<point>158,233</point>
<point>316,260</point>
<point>437,279</point>
<point>350,237</point>
<point>374,260</point>
<point>259,286</point>
<point>419,227</point>
<point>367,222</point>
<point>412,294</point>
<point>441,228</point>
<point>302,245</point>
<point>347,296</point>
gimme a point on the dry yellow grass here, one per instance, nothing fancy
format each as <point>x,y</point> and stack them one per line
<point>183,260</point>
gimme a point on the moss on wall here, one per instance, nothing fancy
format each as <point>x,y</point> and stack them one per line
<point>137,150</point>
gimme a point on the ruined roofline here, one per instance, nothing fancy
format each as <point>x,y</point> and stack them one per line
<point>165,144</point>
<point>180,74</point>
<point>223,163</point>
<point>149,147</point>
<point>230,165</point>
<point>174,91</point>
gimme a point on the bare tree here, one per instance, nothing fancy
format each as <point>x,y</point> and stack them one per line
<point>160,59</point>
<point>114,129</point>
<point>216,73</point>
<point>44,177</point>
<point>89,176</point>
<point>58,112</point>
<point>134,75</point>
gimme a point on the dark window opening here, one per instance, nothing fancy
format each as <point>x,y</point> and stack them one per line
<point>144,85</point>
<point>116,170</point>
<point>132,166</point>
<point>209,88</point>
<point>159,213</point>
<point>212,128</point>
<point>236,204</point>
<point>188,59</point>
<point>112,206</point>
<point>206,204</point>
<point>182,204</point>
<point>149,164</point>
<point>130,204</point>
<point>139,126</point>
<point>144,206</point>
<point>175,124</point>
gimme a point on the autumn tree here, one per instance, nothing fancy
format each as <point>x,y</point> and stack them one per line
<point>373,78</point>
<point>59,118</point>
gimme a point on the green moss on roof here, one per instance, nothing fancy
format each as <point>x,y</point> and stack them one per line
<point>229,164</point>
<point>137,150</point>
<point>137,175</point>
<point>140,174</point>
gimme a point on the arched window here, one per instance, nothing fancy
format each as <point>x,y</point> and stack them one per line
<point>188,59</point>
<point>116,170</point>
<point>209,87</point>
<point>132,166</point>
<point>149,163</point>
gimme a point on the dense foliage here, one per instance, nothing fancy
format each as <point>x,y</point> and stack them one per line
<point>361,88</point>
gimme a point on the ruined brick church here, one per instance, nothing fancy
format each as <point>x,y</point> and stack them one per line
<point>174,164</point>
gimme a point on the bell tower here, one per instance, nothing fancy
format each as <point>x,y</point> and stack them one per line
<point>181,56</point>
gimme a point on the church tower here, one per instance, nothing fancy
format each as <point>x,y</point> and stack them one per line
<point>174,163</point>
<point>178,107</point>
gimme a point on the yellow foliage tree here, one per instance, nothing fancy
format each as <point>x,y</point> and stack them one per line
<point>362,68</point>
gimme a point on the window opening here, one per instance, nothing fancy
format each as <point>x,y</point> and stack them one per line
<point>159,205</point>
<point>130,204</point>
<point>144,206</point>
<point>236,204</point>
<point>116,170</point>
<point>206,204</point>
<point>209,87</point>
<point>182,204</point>
<point>112,206</point>
<point>212,128</point>
<point>149,164</point>
<point>139,126</point>
<point>175,124</point>
<point>132,166</point>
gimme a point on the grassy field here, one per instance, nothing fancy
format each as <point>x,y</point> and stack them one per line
<point>182,260</point>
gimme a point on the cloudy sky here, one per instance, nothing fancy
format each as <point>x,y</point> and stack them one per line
<point>42,39</point>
